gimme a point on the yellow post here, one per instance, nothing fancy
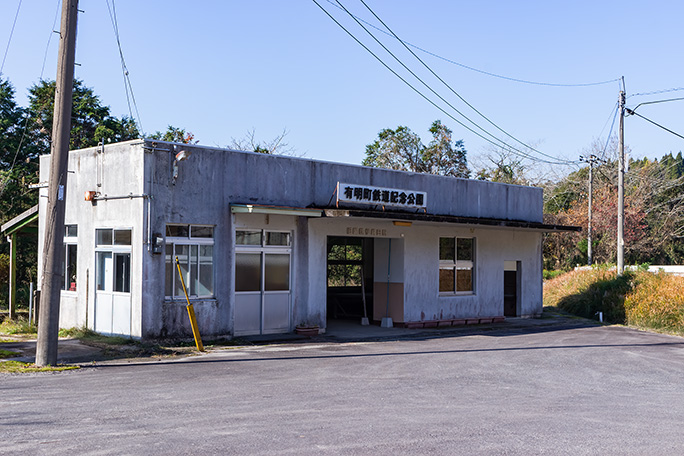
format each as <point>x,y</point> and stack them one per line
<point>191,312</point>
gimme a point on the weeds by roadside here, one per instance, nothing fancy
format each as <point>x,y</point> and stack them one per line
<point>653,301</point>
<point>17,326</point>
<point>17,367</point>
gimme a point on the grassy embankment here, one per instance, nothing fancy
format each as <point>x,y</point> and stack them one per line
<point>653,301</point>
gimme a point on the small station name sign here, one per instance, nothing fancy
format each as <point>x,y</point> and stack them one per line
<point>366,194</point>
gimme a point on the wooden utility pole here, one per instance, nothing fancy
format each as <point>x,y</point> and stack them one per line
<point>621,186</point>
<point>53,251</point>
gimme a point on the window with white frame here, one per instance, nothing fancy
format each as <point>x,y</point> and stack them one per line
<point>456,265</point>
<point>262,254</point>
<point>70,260</point>
<point>194,247</point>
<point>113,260</point>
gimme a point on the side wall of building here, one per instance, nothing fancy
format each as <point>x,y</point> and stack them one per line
<point>116,172</point>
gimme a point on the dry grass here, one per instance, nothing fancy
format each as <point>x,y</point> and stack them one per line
<point>17,367</point>
<point>657,302</point>
<point>637,298</point>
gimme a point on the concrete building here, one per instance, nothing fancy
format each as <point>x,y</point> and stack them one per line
<point>266,243</point>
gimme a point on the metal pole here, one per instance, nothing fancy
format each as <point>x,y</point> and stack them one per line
<point>53,251</point>
<point>621,187</point>
<point>591,184</point>
<point>13,277</point>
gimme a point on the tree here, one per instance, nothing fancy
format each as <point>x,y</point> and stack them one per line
<point>401,149</point>
<point>276,146</point>
<point>25,134</point>
<point>91,122</point>
<point>177,135</point>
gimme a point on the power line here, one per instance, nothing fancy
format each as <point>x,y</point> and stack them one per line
<point>511,149</point>
<point>631,111</point>
<point>675,89</point>
<point>9,41</point>
<point>450,88</point>
<point>52,32</point>
<point>522,81</point>
<point>124,69</point>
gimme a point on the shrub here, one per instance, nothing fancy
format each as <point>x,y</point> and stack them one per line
<point>586,292</point>
<point>657,302</point>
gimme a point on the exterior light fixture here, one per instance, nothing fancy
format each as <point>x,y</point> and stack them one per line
<point>401,223</point>
<point>180,156</point>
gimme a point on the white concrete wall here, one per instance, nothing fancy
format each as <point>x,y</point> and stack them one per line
<point>123,175</point>
<point>211,179</point>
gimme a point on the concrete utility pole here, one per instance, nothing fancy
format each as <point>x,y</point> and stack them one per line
<point>621,186</point>
<point>48,323</point>
<point>591,160</point>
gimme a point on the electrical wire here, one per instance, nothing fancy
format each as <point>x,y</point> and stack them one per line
<point>522,81</point>
<point>52,32</point>
<point>124,69</point>
<point>675,89</point>
<point>654,123</point>
<point>610,132</point>
<point>451,89</point>
<point>27,112</point>
<point>9,41</point>
<point>510,148</point>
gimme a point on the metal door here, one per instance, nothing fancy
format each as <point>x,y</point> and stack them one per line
<point>262,292</point>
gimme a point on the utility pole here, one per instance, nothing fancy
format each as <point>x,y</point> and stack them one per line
<point>591,160</point>
<point>621,186</point>
<point>53,251</point>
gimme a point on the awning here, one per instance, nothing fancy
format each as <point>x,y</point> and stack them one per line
<point>22,220</point>
<point>278,210</point>
<point>423,217</point>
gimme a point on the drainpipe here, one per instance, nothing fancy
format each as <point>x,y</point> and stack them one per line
<point>387,320</point>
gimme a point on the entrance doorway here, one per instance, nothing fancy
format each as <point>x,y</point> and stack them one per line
<point>262,282</point>
<point>113,279</point>
<point>510,288</point>
<point>349,278</point>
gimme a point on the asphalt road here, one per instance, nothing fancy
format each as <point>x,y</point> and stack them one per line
<point>582,391</point>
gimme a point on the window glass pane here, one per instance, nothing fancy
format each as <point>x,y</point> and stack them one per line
<point>122,237</point>
<point>177,230</point>
<point>464,249</point>
<point>202,231</point>
<point>182,252</point>
<point>446,249</point>
<point>103,237</point>
<point>170,269</point>
<point>335,251</point>
<point>354,252</point>
<point>464,280</point>
<point>122,272</point>
<point>336,273</point>
<point>206,271</point>
<point>277,272</point>
<point>71,231</point>
<point>70,274</point>
<point>247,272</point>
<point>248,237</point>
<point>194,261</point>
<point>277,238</point>
<point>104,271</point>
<point>446,279</point>
<point>353,278</point>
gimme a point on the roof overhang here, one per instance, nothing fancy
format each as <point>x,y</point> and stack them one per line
<point>277,210</point>
<point>21,221</point>
<point>424,217</point>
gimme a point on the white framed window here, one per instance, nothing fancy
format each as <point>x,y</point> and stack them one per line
<point>113,259</point>
<point>194,247</point>
<point>262,260</point>
<point>70,260</point>
<point>456,265</point>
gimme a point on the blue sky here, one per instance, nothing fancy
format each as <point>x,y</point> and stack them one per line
<point>222,68</point>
